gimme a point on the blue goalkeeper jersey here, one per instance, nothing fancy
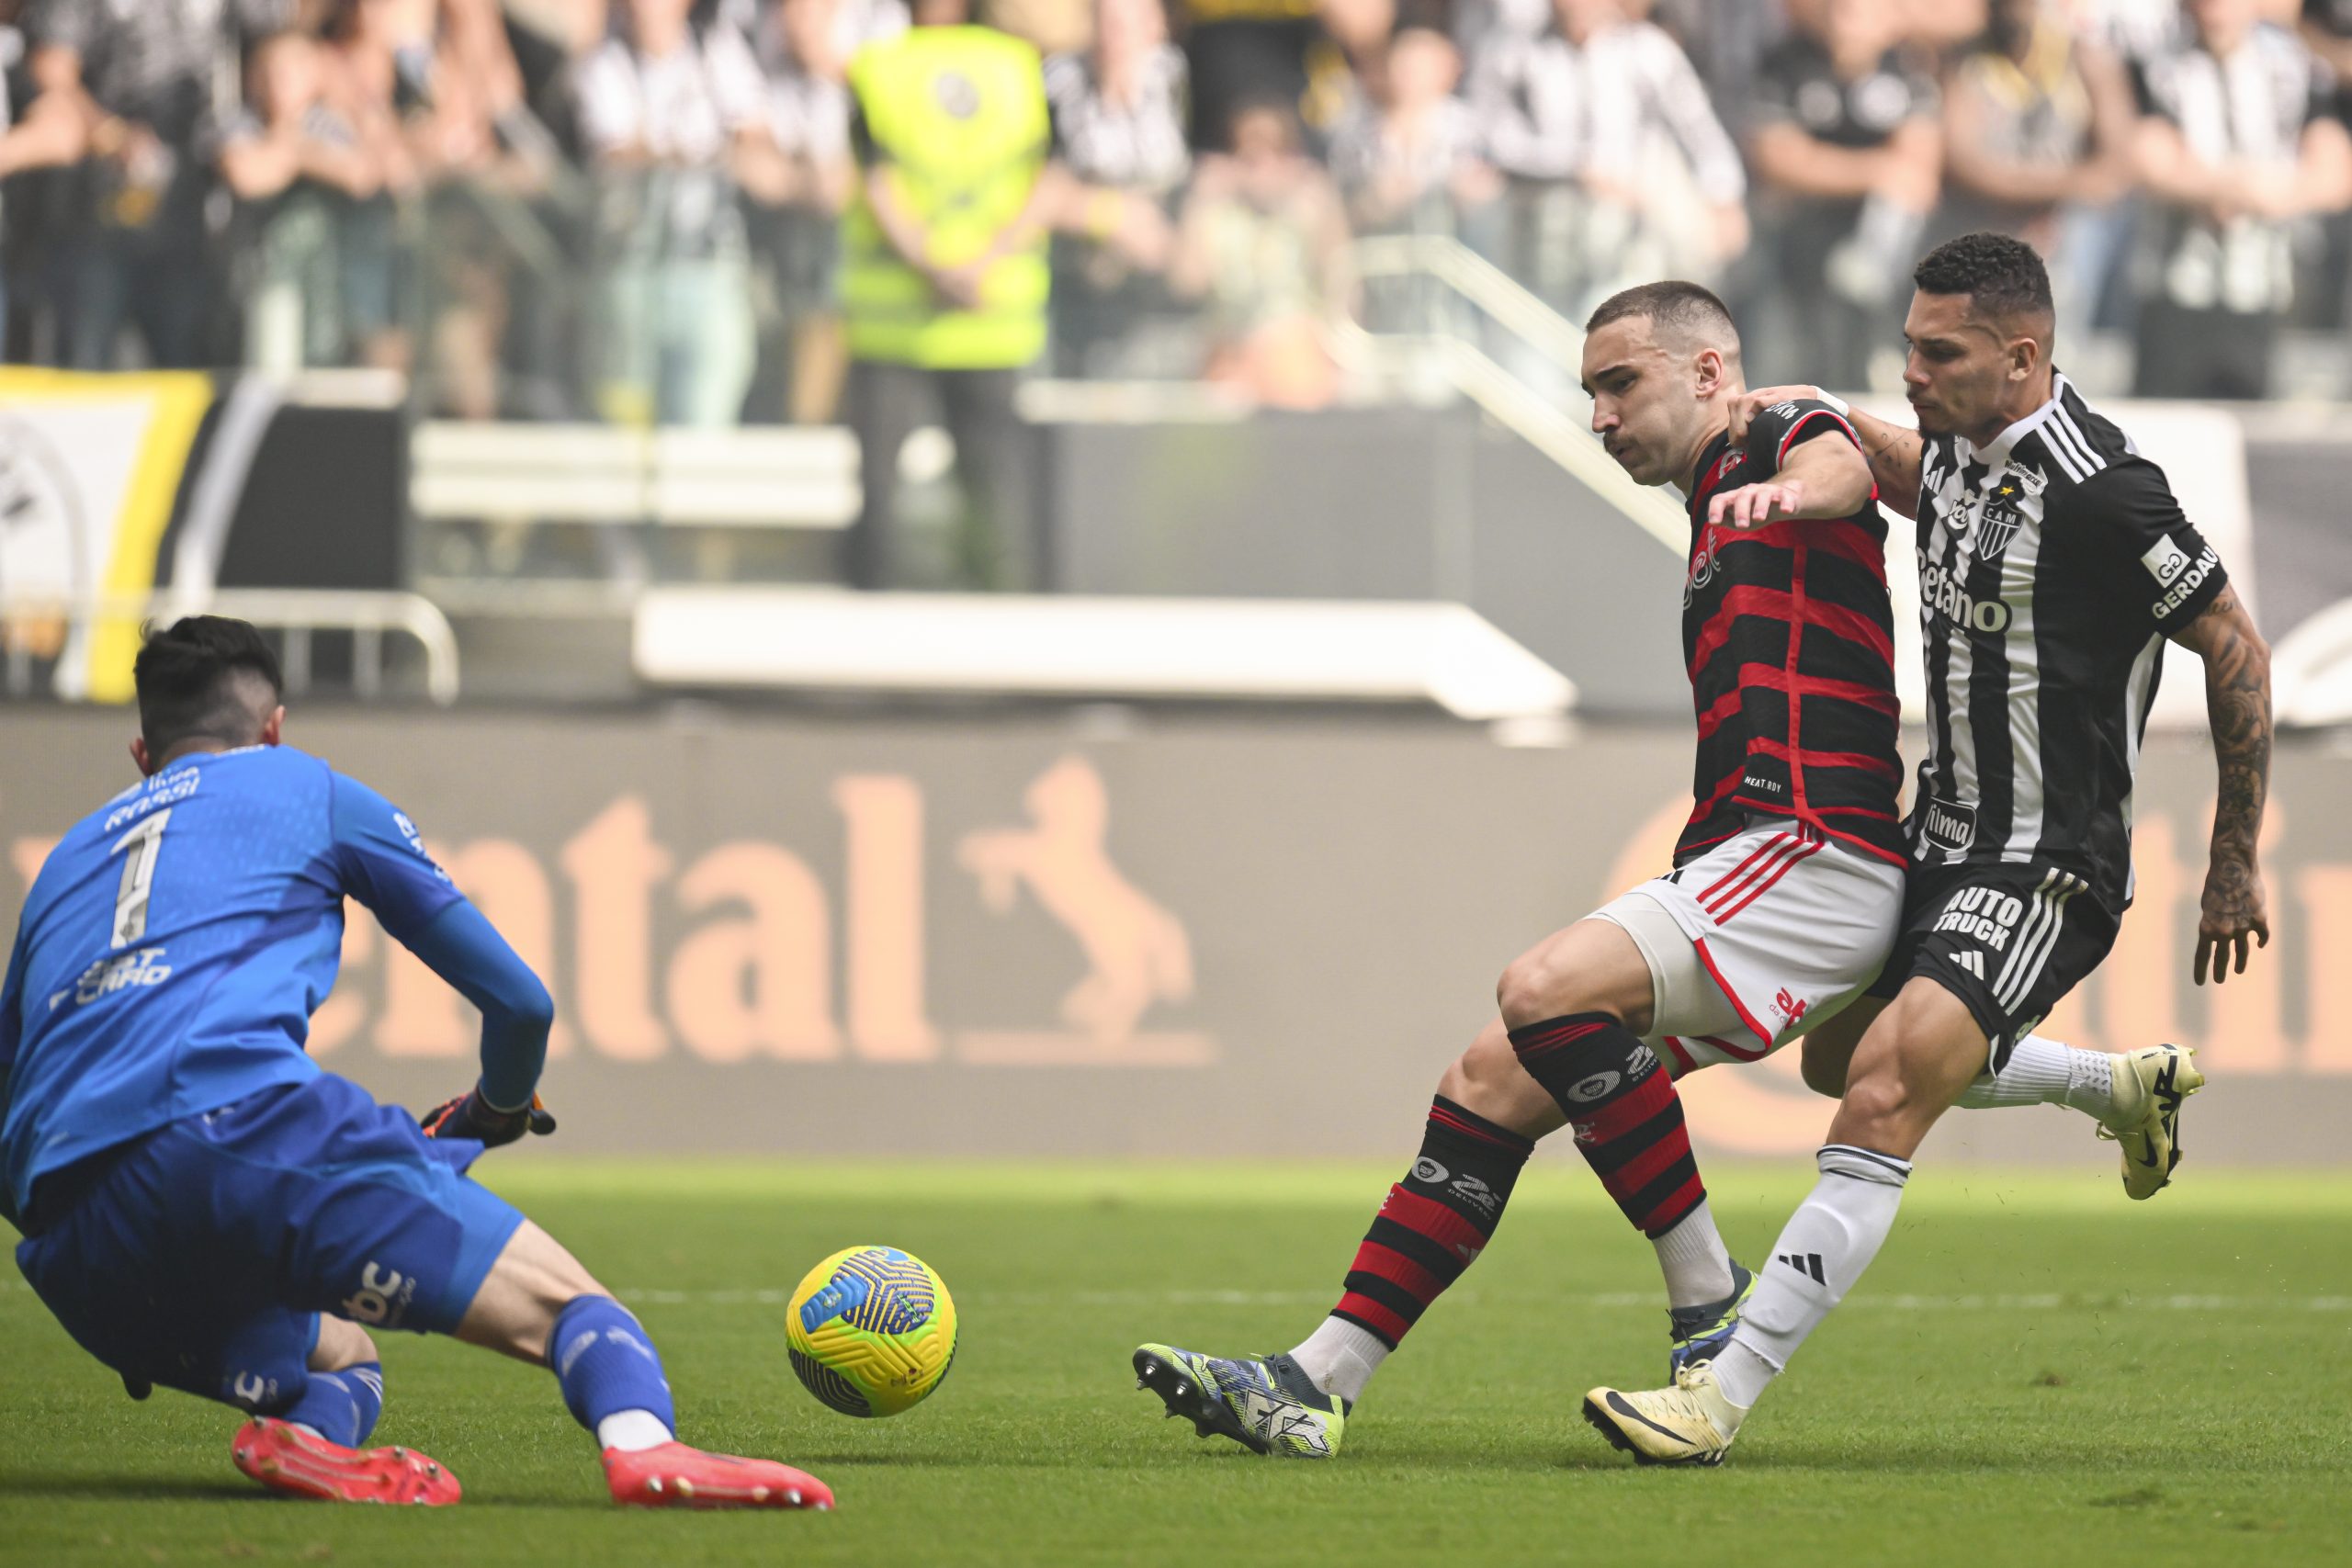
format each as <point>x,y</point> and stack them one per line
<point>179,938</point>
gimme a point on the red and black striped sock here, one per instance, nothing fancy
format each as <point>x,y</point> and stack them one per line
<point>1626,1114</point>
<point>1433,1223</point>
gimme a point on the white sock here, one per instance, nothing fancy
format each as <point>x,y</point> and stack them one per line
<point>1340,1357</point>
<point>2044,1072</point>
<point>1829,1241</point>
<point>631,1430</point>
<point>1697,1268</point>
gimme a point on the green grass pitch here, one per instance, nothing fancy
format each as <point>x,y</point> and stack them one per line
<point>2035,1371</point>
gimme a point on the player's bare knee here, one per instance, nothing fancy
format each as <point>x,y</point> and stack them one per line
<point>1519,993</point>
<point>342,1344</point>
<point>1456,1083</point>
<point>1538,986</point>
<point>1591,966</point>
<point>1487,1081</point>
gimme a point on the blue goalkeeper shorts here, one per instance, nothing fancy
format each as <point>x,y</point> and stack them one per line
<point>200,1255</point>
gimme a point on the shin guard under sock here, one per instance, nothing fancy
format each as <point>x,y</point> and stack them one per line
<point>1434,1223</point>
<point>606,1363</point>
<point>1828,1242</point>
<point>341,1406</point>
<point>1626,1114</point>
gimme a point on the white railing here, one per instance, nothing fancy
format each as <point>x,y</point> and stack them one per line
<point>1538,420</point>
<point>783,477</point>
<point>297,613</point>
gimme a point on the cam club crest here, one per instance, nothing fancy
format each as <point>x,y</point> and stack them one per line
<point>1999,514</point>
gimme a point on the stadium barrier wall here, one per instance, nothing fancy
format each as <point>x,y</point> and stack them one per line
<point>1229,937</point>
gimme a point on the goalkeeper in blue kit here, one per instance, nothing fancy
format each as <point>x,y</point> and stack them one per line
<point>204,1208</point>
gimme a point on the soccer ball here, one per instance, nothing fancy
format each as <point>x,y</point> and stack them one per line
<point>872,1331</point>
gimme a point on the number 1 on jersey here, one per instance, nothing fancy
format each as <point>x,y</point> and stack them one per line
<point>144,845</point>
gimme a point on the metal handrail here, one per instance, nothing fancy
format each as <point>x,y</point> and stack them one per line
<point>1534,418</point>
<point>367,614</point>
<point>1477,280</point>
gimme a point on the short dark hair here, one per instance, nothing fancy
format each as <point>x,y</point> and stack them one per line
<point>1671,306</point>
<point>189,686</point>
<point>1257,100</point>
<point>2001,274</point>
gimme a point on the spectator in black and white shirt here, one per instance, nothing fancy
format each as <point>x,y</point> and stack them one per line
<point>1847,151</point>
<point>1408,155</point>
<point>2240,142</point>
<point>1119,108</point>
<point>138,74</point>
<point>804,48</point>
<point>2035,120</point>
<point>1407,159</point>
<point>1574,118</point>
<point>2327,29</point>
<point>669,112</point>
<point>294,163</point>
<point>1119,122</point>
<point>2038,135</point>
<point>43,134</point>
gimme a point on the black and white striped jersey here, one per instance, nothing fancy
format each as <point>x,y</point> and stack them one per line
<point>2052,562</point>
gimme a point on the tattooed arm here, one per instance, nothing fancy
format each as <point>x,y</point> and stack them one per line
<point>2237,703</point>
<point>1893,451</point>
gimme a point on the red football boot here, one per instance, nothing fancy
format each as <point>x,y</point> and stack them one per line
<point>677,1476</point>
<point>286,1457</point>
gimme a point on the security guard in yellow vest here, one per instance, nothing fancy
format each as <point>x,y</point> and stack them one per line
<point>945,280</point>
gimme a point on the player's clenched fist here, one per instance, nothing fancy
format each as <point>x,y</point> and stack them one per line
<point>469,1116</point>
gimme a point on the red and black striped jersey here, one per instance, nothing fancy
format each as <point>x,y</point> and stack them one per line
<point>1789,639</point>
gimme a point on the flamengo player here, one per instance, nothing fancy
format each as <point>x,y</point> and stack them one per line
<point>2053,564</point>
<point>1784,898</point>
<point>162,1120</point>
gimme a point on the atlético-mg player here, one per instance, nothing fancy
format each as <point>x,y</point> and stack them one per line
<point>2054,564</point>
<point>1782,901</point>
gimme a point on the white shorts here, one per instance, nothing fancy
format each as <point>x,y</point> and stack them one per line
<point>1765,936</point>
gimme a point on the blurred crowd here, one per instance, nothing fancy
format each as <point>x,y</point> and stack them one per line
<point>632,209</point>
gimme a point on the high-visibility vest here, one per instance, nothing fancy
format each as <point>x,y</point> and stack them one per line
<point>960,116</point>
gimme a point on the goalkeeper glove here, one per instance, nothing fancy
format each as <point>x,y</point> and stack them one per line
<point>468,1116</point>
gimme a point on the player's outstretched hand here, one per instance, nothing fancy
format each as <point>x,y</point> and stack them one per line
<point>467,1117</point>
<point>1747,405</point>
<point>1752,506</point>
<point>2233,909</point>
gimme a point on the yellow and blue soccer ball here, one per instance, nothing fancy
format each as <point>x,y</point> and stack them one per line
<point>871,1331</point>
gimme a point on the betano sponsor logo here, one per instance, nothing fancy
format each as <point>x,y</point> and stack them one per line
<point>1946,596</point>
<point>732,956</point>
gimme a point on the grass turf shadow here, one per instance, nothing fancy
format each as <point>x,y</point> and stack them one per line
<point>133,1488</point>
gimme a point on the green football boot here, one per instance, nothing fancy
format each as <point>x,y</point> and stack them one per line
<point>1269,1405</point>
<point>1700,1332</point>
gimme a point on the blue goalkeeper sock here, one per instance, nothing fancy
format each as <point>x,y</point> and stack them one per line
<point>341,1406</point>
<point>367,1380</point>
<point>611,1374</point>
